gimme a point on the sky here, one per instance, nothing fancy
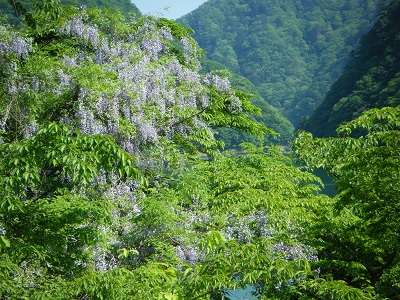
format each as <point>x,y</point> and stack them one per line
<point>175,8</point>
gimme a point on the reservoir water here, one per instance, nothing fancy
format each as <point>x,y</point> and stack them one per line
<point>329,187</point>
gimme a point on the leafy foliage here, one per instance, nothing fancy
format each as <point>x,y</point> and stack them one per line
<point>13,10</point>
<point>359,240</point>
<point>48,221</point>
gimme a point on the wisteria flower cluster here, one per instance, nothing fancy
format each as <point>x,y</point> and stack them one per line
<point>11,43</point>
<point>13,48</point>
<point>144,83</point>
<point>244,229</point>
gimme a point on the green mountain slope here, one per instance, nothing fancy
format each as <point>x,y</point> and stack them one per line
<point>292,51</point>
<point>372,78</point>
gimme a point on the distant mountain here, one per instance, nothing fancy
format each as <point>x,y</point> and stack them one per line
<point>291,50</point>
<point>371,79</point>
<point>124,6</point>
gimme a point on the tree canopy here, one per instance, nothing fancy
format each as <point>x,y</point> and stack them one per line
<point>13,10</point>
<point>113,185</point>
<point>359,240</point>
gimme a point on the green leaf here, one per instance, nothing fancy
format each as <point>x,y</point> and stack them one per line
<point>4,243</point>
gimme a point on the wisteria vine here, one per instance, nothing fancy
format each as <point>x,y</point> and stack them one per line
<point>137,86</point>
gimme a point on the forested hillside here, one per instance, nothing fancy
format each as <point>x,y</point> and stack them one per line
<point>292,51</point>
<point>371,79</point>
